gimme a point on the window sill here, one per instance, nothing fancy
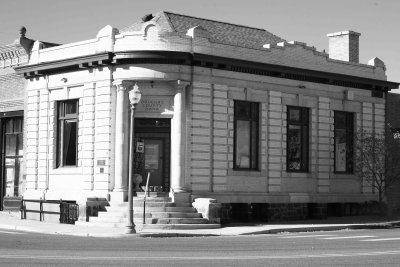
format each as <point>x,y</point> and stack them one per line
<point>338,175</point>
<point>66,170</point>
<point>241,172</point>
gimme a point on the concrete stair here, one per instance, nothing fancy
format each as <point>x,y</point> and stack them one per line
<point>160,213</point>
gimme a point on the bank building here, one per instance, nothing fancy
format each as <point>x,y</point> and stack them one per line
<point>233,122</point>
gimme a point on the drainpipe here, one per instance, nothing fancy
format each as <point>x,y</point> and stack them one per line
<point>48,139</point>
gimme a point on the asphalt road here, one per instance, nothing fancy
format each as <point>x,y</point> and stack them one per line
<point>338,248</point>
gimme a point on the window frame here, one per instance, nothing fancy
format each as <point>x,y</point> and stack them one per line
<point>349,131</point>
<point>254,120</point>
<point>62,118</point>
<point>304,123</point>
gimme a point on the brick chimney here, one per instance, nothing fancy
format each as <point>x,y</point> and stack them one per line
<point>344,46</point>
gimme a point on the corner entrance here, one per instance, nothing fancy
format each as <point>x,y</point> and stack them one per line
<point>153,152</point>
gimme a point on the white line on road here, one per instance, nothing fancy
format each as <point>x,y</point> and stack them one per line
<point>70,258</point>
<point>301,236</point>
<point>382,239</point>
<point>348,237</point>
<point>6,232</point>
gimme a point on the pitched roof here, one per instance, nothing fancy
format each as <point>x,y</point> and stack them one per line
<point>221,32</point>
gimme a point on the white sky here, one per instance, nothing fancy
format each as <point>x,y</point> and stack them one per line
<point>66,21</point>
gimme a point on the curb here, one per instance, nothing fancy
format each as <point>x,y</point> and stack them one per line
<point>327,228</point>
<point>86,233</point>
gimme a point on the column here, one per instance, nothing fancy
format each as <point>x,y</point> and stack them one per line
<point>177,143</point>
<point>121,129</point>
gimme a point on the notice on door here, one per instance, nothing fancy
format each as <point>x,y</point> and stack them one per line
<point>151,157</point>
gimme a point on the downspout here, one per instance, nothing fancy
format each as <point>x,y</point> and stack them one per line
<point>48,138</point>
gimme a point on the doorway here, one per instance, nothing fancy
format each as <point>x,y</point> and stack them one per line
<point>153,152</point>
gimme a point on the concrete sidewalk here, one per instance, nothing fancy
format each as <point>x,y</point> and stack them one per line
<point>12,221</point>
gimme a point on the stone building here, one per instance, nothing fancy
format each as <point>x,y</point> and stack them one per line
<point>228,112</point>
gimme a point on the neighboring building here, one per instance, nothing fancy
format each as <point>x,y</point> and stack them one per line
<point>11,121</point>
<point>12,97</point>
<point>393,119</point>
<point>228,112</point>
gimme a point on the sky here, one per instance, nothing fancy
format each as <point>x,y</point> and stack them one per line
<point>66,21</point>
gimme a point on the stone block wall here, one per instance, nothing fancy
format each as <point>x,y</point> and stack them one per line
<point>91,176</point>
<point>212,140</point>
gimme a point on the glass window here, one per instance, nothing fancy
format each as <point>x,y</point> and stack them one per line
<point>67,136</point>
<point>297,139</point>
<point>344,129</point>
<point>246,135</point>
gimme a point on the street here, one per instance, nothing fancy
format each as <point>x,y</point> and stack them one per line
<point>337,248</point>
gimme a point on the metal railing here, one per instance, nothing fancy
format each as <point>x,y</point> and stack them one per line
<point>68,211</point>
<point>146,191</point>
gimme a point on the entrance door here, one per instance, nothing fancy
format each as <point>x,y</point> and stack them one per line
<point>154,160</point>
<point>12,155</point>
<point>154,134</point>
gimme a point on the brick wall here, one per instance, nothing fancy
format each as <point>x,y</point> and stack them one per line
<point>11,84</point>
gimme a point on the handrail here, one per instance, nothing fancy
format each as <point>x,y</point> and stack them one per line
<point>41,211</point>
<point>144,199</point>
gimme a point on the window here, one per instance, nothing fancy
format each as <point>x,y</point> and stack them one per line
<point>67,133</point>
<point>297,139</point>
<point>344,128</point>
<point>246,135</point>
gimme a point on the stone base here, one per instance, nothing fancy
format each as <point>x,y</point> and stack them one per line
<point>209,208</point>
<point>119,196</point>
<point>180,196</point>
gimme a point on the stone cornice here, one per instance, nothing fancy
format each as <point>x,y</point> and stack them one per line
<point>69,64</point>
<point>207,61</point>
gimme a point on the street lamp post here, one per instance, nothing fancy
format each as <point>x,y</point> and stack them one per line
<point>134,98</point>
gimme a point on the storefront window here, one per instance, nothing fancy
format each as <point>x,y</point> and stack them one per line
<point>246,135</point>
<point>344,129</point>
<point>12,156</point>
<point>297,139</point>
<point>67,135</point>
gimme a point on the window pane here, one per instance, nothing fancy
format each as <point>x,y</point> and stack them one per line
<point>340,120</point>
<point>152,156</point>
<point>9,126</point>
<point>17,125</point>
<point>344,128</point>
<point>20,146</point>
<point>294,115</point>
<point>70,140</point>
<point>11,143</point>
<point>294,147</point>
<point>243,144</point>
<point>10,177</point>
<point>254,146</point>
<point>243,110</point>
<point>340,150</point>
<point>70,108</point>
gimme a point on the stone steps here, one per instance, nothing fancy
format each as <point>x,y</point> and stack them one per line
<point>177,220</point>
<point>161,213</point>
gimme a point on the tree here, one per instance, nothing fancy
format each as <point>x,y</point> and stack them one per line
<point>377,160</point>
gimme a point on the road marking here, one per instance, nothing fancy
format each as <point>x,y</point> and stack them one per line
<point>348,237</point>
<point>185,258</point>
<point>6,232</point>
<point>302,236</point>
<point>382,239</point>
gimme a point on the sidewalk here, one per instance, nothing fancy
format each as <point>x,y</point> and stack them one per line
<point>12,221</point>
